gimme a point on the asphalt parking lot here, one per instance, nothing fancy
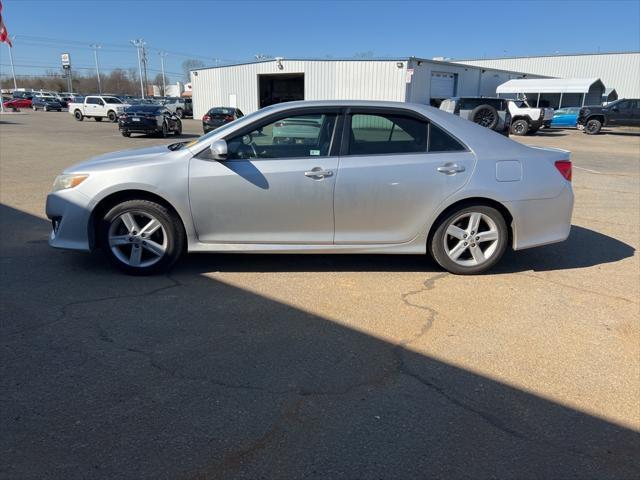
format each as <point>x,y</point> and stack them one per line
<point>318,366</point>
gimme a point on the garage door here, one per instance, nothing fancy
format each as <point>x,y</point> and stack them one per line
<point>443,85</point>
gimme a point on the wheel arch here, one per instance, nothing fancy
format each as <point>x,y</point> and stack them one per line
<point>467,202</point>
<point>596,116</point>
<point>113,199</point>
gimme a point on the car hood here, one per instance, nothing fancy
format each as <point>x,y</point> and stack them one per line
<point>123,159</point>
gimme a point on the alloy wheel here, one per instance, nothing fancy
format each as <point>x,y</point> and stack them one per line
<point>471,239</point>
<point>137,239</point>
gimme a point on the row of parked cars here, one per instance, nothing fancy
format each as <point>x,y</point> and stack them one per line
<point>517,117</point>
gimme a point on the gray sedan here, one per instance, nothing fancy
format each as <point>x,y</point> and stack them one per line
<point>375,177</point>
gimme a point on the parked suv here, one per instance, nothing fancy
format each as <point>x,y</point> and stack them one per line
<point>621,113</point>
<point>492,113</point>
<point>526,119</point>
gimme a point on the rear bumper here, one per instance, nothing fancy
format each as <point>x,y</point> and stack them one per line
<point>541,221</point>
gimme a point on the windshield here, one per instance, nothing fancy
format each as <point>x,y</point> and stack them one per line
<point>112,100</point>
<point>207,136</point>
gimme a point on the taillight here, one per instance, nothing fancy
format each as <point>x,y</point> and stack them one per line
<point>206,118</point>
<point>564,167</point>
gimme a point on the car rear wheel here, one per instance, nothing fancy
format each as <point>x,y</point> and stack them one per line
<point>78,115</point>
<point>142,237</point>
<point>112,116</point>
<point>520,127</point>
<point>593,127</point>
<point>179,113</point>
<point>178,130</point>
<point>486,116</point>
<point>470,240</point>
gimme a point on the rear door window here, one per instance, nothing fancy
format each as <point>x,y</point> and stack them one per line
<point>442,141</point>
<point>379,134</point>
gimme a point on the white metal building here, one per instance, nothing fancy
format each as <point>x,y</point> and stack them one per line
<point>254,85</point>
<point>616,70</point>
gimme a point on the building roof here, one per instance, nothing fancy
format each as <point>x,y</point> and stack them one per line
<point>548,85</point>
<point>581,54</point>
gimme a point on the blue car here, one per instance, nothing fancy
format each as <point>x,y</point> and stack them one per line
<point>565,117</point>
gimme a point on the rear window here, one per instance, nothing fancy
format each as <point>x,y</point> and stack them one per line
<point>142,109</point>
<point>221,111</point>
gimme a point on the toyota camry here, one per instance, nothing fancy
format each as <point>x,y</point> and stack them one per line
<point>369,177</point>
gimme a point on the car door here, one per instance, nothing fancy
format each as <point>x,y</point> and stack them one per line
<point>276,185</point>
<point>621,113</point>
<point>395,170</point>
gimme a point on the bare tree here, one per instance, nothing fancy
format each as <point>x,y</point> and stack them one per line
<point>191,64</point>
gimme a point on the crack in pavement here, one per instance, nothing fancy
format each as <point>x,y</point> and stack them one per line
<point>466,404</point>
<point>64,308</point>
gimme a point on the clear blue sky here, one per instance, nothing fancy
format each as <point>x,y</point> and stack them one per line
<point>236,31</point>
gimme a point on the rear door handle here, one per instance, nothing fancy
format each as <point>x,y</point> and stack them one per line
<point>318,173</point>
<point>451,168</point>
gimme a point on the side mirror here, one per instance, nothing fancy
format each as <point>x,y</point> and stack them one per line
<point>219,150</point>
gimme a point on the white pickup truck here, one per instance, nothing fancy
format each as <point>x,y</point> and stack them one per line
<point>98,107</point>
<point>526,119</point>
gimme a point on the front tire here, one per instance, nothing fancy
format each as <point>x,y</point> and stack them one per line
<point>112,116</point>
<point>165,130</point>
<point>126,134</point>
<point>179,113</point>
<point>178,130</point>
<point>470,240</point>
<point>593,127</point>
<point>142,237</point>
<point>520,127</point>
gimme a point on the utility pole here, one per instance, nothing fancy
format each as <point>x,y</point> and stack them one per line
<point>13,70</point>
<point>144,66</point>
<point>164,86</point>
<point>95,47</point>
<point>139,43</point>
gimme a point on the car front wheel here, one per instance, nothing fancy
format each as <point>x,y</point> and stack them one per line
<point>470,240</point>
<point>142,237</point>
<point>593,127</point>
<point>520,127</point>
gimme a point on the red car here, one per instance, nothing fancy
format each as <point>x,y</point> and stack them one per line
<point>17,103</point>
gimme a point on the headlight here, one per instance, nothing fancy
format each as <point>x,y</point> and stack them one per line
<point>63,182</point>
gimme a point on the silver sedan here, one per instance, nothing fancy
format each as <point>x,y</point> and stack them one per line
<point>319,177</point>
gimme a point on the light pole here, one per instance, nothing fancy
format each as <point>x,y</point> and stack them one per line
<point>164,87</point>
<point>138,44</point>
<point>95,47</point>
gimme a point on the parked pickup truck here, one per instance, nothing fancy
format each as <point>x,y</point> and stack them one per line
<point>98,107</point>
<point>526,119</point>
<point>621,113</point>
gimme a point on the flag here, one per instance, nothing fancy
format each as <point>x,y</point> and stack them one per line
<point>4,35</point>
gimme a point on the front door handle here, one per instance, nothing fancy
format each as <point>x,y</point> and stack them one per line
<point>451,168</point>
<point>318,173</point>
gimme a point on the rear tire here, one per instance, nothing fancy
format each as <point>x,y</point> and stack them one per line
<point>179,113</point>
<point>46,109</point>
<point>126,134</point>
<point>178,130</point>
<point>78,115</point>
<point>133,253</point>
<point>470,240</point>
<point>520,127</point>
<point>593,127</point>
<point>486,116</point>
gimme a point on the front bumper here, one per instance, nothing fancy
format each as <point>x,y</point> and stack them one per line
<point>541,221</point>
<point>70,213</point>
<point>143,126</point>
